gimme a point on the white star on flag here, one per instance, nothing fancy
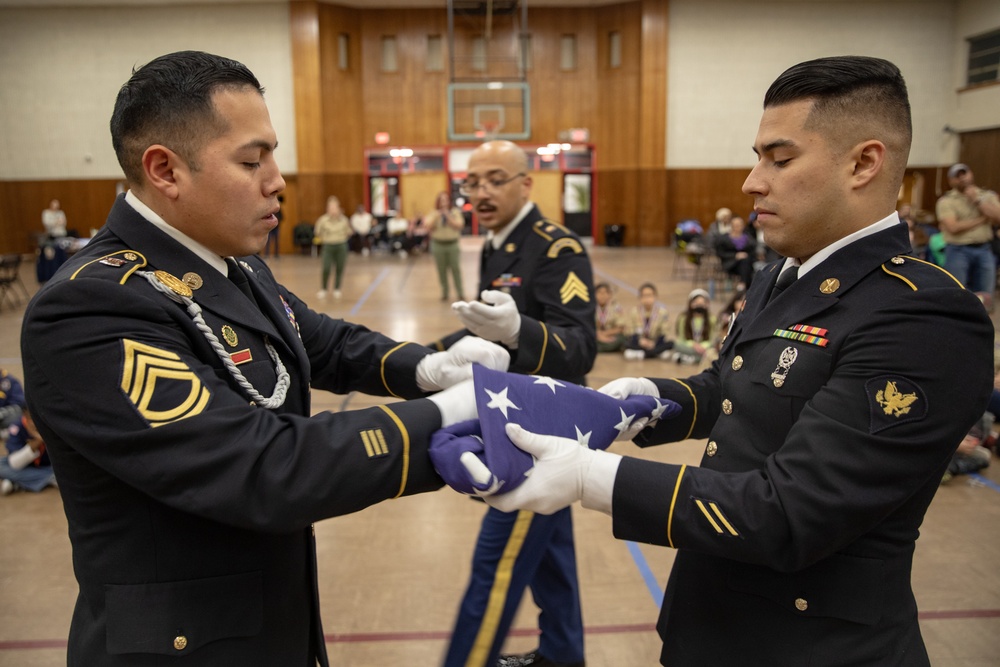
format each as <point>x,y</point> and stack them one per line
<point>626,421</point>
<point>548,382</point>
<point>583,438</point>
<point>657,411</point>
<point>501,402</point>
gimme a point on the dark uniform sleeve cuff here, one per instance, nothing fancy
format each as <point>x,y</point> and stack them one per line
<point>645,496</point>
<point>398,369</point>
<point>416,421</point>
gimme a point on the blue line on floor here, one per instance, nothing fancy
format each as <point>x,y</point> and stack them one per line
<point>985,482</point>
<point>647,574</point>
<point>368,292</point>
<point>607,277</point>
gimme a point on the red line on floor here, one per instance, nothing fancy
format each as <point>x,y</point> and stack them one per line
<point>359,637</point>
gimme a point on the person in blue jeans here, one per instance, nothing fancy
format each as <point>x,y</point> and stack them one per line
<point>27,464</point>
<point>967,215</point>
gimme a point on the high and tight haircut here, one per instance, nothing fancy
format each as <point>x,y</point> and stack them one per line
<point>168,101</point>
<point>852,91</point>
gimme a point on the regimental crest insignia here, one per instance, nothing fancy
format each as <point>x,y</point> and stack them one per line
<point>574,288</point>
<point>894,400</point>
<point>229,335</point>
<point>160,385</point>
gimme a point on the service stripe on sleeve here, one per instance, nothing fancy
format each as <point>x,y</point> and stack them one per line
<point>385,382</point>
<point>406,448</point>
<point>673,505</point>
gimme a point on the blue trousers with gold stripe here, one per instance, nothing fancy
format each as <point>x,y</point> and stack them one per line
<point>516,550</point>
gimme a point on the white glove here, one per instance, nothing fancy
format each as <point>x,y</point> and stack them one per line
<point>457,403</point>
<point>443,369</point>
<point>562,471</point>
<point>621,389</point>
<point>495,318</point>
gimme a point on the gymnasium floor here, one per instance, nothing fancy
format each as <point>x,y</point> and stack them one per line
<point>391,576</point>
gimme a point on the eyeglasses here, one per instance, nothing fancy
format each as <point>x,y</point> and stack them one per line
<point>469,188</point>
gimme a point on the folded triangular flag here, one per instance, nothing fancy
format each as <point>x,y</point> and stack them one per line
<point>540,405</point>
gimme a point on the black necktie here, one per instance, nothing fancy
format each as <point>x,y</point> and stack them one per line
<point>487,251</point>
<point>787,277</point>
<point>239,278</point>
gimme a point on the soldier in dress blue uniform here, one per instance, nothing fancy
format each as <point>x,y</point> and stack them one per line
<point>536,285</point>
<point>830,415</point>
<point>170,377</point>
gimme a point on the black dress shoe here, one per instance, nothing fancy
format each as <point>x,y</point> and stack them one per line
<point>533,659</point>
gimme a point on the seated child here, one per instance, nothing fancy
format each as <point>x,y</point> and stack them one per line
<point>971,455</point>
<point>610,320</point>
<point>649,327</point>
<point>696,329</point>
<point>27,464</point>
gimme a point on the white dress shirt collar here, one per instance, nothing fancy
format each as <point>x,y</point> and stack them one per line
<point>149,214</point>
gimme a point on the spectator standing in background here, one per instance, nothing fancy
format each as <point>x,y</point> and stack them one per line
<point>967,215</point>
<point>444,226</point>
<point>331,232</point>
<point>54,220</point>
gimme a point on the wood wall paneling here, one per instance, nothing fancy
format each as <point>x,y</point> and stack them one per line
<point>304,22</point>
<point>699,193</point>
<point>342,133</point>
<point>616,128</point>
<point>653,107</point>
<point>981,151</point>
<point>86,203</point>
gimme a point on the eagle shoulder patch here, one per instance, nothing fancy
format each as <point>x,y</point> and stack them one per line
<point>893,400</point>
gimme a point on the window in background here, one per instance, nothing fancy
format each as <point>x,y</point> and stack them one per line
<point>343,44</point>
<point>615,49</point>
<point>389,53</point>
<point>435,54</point>
<point>567,52</point>
<point>984,58</point>
<point>524,54</point>
<point>479,54</point>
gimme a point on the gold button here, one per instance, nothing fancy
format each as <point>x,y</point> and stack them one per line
<point>727,407</point>
<point>180,642</point>
<point>801,604</point>
<point>712,448</point>
<point>897,260</point>
<point>737,362</point>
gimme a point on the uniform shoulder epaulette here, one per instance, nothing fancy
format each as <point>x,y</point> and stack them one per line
<point>118,265</point>
<point>918,273</point>
<point>560,238</point>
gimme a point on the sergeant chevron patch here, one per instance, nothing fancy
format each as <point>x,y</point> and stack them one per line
<point>574,288</point>
<point>160,385</point>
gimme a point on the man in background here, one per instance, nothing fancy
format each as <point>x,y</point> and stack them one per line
<point>536,288</point>
<point>967,216</point>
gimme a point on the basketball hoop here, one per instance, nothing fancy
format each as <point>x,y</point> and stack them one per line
<point>488,130</point>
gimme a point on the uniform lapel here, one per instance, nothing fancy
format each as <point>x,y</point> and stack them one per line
<point>217,293</point>
<point>818,290</point>
<point>504,259</point>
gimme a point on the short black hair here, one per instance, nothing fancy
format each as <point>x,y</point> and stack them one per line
<point>649,286</point>
<point>852,95</point>
<point>168,101</point>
